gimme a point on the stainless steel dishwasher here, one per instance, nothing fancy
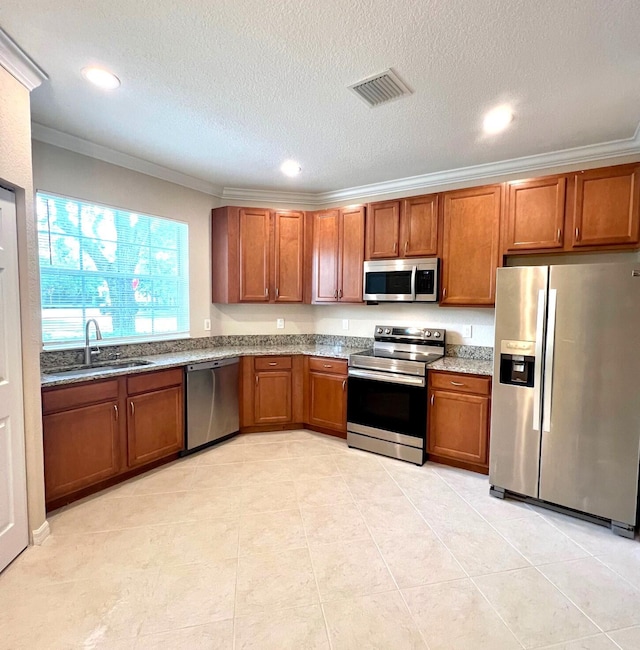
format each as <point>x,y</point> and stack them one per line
<point>212,402</point>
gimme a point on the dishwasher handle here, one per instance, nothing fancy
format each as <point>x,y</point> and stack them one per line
<point>212,365</point>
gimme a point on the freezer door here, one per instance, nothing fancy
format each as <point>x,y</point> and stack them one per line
<point>515,410</point>
<point>591,413</point>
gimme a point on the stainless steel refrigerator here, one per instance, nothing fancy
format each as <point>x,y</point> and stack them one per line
<point>565,423</point>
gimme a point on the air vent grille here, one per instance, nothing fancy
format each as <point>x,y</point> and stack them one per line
<point>380,88</point>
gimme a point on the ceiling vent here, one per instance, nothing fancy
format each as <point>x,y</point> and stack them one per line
<point>380,88</point>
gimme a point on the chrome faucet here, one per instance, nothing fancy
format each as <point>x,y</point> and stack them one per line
<point>88,352</point>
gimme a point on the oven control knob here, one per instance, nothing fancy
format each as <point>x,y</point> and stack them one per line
<point>379,330</point>
<point>427,333</point>
<point>387,331</point>
<point>437,334</point>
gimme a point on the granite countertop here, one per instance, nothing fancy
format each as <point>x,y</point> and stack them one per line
<point>464,366</point>
<point>183,358</point>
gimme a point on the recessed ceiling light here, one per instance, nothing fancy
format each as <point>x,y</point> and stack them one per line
<point>290,168</point>
<point>498,119</point>
<point>101,78</point>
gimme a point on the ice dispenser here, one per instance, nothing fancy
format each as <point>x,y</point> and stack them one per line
<point>517,362</point>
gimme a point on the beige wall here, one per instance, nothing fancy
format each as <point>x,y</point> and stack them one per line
<point>70,174</point>
<point>15,172</point>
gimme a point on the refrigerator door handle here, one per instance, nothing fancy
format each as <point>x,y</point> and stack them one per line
<point>548,362</point>
<point>537,380</point>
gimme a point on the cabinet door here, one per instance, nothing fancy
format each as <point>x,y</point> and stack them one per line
<point>272,395</point>
<point>155,425</point>
<point>383,230</point>
<point>255,246</point>
<point>351,254</point>
<point>326,231</point>
<point>327,401</point>
<point>419,226</point>
<point>288,253</point>
<point>471,220</point>
<point>606,207</point>
<point>535,214</point>
<point>81,448</point>
<point>459,426</point>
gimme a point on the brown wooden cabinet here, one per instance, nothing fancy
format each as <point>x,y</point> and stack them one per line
<point>326,395</point>
<point>534,215</point>
<point>271,392</point>
<point>257,255</point>
<point>98,432</point>
<point>458,420</point>
<point>407,228</point>
<point>470,247</point>
<point>606,207</point>
<point>338,255</point>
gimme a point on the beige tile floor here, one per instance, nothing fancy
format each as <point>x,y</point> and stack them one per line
<point>291,540</point>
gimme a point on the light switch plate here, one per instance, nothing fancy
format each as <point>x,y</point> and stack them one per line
<point>280,323</point>
<point>345,323</point>
<point>207,324</point>
<point>467,331</point>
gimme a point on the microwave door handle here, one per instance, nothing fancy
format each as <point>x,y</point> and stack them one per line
<point>414,273</point>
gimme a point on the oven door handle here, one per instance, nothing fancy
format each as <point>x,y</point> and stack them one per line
<point>387,377</point>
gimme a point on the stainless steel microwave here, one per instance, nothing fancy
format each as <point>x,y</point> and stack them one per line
<point>406,280</point>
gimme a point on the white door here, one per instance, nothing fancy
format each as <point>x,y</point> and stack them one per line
<point>14,531</point>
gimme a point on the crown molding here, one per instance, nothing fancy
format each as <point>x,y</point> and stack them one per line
<point>86,148</point>
<point>17,62</point>
<point>484,172</point>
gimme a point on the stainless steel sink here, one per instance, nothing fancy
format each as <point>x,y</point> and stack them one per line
<point>116,364</point>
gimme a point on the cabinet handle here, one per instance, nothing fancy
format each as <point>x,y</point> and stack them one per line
<point>266,291</point>
<point>327,365</point>
<point>115,409</point>
<point>335,294</point>
<point>405,247</point>
<point>133,408</point>
<point>273,363</point>
<point>457,383</point>
<point>277,292</point>
<point>344,385</point>
<point>257,380</point>
<point>432,396</point>
<point>395,246</point>
<point>444,293</point>
<point>340,294</point>
<point>577,234</point>
<point>559,234</point>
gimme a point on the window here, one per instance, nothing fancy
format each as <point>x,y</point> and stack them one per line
<point>129,271</point>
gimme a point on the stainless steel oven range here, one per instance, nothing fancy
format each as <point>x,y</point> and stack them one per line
<point>387,396</point>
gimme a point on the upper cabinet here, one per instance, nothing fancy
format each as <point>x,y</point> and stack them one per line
<point>592,210</point>
<point>534,215</point>
<point>338,255</point>
<point>407,228</point>
<point>470,226</point>
<point>605,207</point>
<point>257,255</point>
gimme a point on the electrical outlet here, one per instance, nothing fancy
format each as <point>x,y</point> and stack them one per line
<point>345,323</point>
<point>207,324</point>
<point>467,331</point>
<point>280,323</point>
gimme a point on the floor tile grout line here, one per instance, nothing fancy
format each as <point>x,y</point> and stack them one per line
<point>624,578</point>
<point>315,577</point>
<point>468,576</point>
<point>395,582</point>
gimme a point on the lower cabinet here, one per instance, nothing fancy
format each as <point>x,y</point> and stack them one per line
<point>458,420</point>
<point>272,399</point>
<point>326,394</point>
<point>95,431</point>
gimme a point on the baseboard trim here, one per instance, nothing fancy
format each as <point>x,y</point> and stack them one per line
<point>40,534</point>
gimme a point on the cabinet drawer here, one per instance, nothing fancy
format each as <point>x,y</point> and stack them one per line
<point>272,363</point>
<point>76,395</point>
<point>331,366</point>
<point>460,383</point>
<point>154,380</point>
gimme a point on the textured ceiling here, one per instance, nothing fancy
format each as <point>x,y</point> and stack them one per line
<point>226,90</point>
